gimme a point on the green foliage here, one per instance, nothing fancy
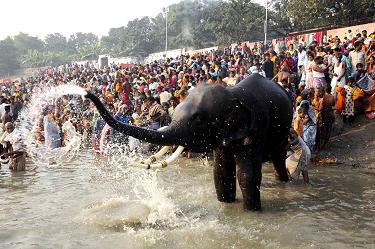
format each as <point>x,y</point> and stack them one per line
<point>8,57</point>
<point>316,13</point>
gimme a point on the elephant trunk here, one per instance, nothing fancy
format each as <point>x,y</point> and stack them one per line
<point>167,136</point>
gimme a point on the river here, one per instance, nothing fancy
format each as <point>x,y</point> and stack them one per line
<point>73,205</point>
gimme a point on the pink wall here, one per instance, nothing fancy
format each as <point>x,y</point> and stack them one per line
<point>342,32</point>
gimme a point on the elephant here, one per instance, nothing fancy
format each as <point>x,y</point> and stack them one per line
<point>243,125</point>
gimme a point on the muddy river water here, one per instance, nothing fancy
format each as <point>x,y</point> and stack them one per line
<point>101,203</point>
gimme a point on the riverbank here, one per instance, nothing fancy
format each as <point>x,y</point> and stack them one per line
<point>352,146</point>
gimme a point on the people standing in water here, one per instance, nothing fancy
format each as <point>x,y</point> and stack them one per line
<point>13,148</point>
<point>52,130</point>
<point>299,160</point>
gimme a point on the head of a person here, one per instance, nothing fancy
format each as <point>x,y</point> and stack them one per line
<point>310,56</point>
<point>165,106</point>
<point>150,100</point>
<point>359,66</point>
<point>371,60</point>
<point>358,45</point>
<point>9,127</point>
<point>7,108</point>
<point>123,109</point>
<point>299,48</point>
<point>302,112</point>
<point>173,101</point>
<point>318,60</point>
<point>336,51</point>
<point>364,33</point>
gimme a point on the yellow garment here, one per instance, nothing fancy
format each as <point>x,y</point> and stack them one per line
<point>357,93</point>
<point>298,126</point>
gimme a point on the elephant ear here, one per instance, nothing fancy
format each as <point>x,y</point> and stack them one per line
<point>240,122</point>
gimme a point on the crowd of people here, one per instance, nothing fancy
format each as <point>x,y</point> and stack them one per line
<point>337,76</point>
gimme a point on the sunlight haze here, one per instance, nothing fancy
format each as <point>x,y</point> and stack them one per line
<point>42,17</point>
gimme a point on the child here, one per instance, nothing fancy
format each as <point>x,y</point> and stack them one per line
<point>359,73</point>
<point>348,110</point>
<point>299,160</point>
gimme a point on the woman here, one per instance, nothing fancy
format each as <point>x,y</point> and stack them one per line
<point>309,75</point>
<point>371,64</point>
<point>324,103</point>
<point>318,70</point>
<point>309,128</point>
<point>338,79</point>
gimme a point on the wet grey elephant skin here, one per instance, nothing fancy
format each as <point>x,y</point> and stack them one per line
<point>243,125</point>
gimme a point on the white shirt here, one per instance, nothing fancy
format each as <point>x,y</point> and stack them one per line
<point>356,57</point>
<point>165,96</point>
<point>301,58</point>
<point>14,138</point>
<point>154,86</point>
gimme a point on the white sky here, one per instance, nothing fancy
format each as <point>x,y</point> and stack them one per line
<point>41,17</point>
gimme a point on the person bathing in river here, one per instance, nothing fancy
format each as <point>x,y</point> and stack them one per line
<point>51,130</point>
<point>13,148</point>
<point>299,160</point>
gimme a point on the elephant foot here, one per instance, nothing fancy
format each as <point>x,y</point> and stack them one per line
<point>251,201</point>
<point>281,177</point>
<point>226,189</point>
<point>226,198</point>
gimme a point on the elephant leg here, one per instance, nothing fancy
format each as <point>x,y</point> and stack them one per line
<point>249,176</point>
<point>224,175</point>
<point>278,158</point>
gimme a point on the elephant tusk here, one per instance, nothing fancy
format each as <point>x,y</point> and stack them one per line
<point>169,160</point>
<point>152,158</point>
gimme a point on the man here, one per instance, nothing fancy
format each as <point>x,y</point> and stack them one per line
<point>301,54</point>
<point>357,56</point>
<point>366,40</point>
<point>14,148</point>
<point>267,66</point>
<point>6,117</point>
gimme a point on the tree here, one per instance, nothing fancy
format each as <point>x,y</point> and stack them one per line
<point>236,21</point>
<point>56,42</point>
<point>317,13</point>
<point>89,52</point>
<point>23,42</point>
<point>79,40</point>
<point>8,57</point>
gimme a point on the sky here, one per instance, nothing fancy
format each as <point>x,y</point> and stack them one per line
<point>42,17</point>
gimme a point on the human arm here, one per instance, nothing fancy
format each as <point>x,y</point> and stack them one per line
<point>318,69</point>
<point>343,72</point>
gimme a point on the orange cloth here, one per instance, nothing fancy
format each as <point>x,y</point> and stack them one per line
<point>340,104</point>
<point>298,126</point>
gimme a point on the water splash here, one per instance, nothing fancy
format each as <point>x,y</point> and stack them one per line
<point>143,188</point>
<point>28,126</point>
